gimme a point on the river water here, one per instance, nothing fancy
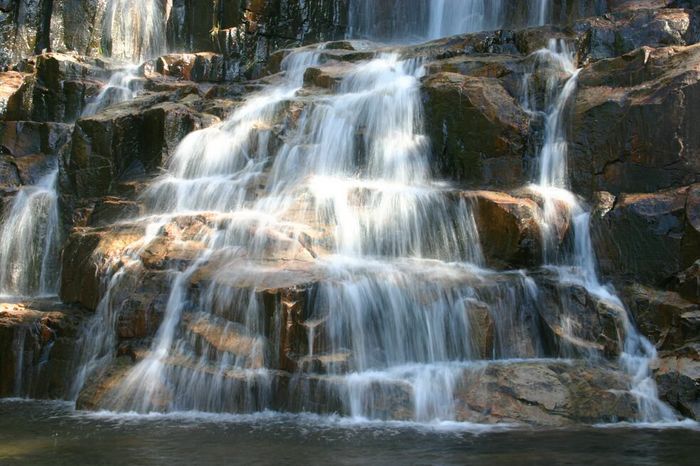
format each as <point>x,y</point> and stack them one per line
<point>53,433</point>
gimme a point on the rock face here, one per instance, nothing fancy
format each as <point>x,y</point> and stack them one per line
<point>481,140</point>
<point>619,144</point>
<point>37,349</point>
<point>650,238</point>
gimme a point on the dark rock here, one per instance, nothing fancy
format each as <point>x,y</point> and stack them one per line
<point>141,133</point>
<point>647,237</point>
<point>665,318</point>
<point>508,229</point>
<point>37,348</point>
<point>619,144</point>
<point>478,131</point>
<point>620,33</point>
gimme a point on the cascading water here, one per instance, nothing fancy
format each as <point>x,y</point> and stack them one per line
<point>579,266</point>
<point>399,251</point>
<point>338,210</point>
<point>133,32</point>
<point>433,19</point>
<point>30,241</point>
<point>121,87</point>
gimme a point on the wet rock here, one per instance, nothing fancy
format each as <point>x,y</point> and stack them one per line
<point>508,229</point>
<point>77,25</point>
<point>65,84</point>
<point>112,209</point>
<point>132,137</point>
<point>578,324</point>
<point>687,283</point>
<point>678,380</point>
<point>620,33</point>
<point>37,348</point>
<point>218,335</point>
<point>665,318</point>
<point>10,180</point>
<point>619,144</point>
<point>478,131</point>
<point>648,237</point>
<point>87,256</point>
<point>548,394</point>
<point>326,77</point>
<point>199,67</point>
<point>482,328</point>
<point>141,301</point>
<point>20,21</point>
<point>167,253</point>
<point>487,66</point>
<point>22,138</point>
<point>100,389</point>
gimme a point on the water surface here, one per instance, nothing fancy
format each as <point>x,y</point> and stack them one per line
<point>53,433</point>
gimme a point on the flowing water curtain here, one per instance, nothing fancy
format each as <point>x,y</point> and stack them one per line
<point>411,20</point>
<point>30,241</point>
<point>577,264</point>
<point>134,31</point>
<point>397,300</point>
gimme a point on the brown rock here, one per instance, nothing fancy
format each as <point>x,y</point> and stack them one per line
<point>508,229</point>
<point>37,348</point>
<point>647,237</point>
<point>478,131</point>
<point>619,144</point>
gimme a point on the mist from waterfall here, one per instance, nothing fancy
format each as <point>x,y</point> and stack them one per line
<point>30,241</point>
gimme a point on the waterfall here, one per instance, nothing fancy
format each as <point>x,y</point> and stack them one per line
<point>432,19</point>
<point>29,241</point>
<point>580,266</point>
<point>450,17</point>
<point>320,205</point>
<point>400,251</point>
<point>135,31</point>
<point>121,87</point>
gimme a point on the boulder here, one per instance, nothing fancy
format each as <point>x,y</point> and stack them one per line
<point>619,144</point>
<point>65,84</point>
<point>88,258</point>
<point>678,380</point>
<point>624,31</point>
<point>23,138</point>
<point>37,348</point>
<point>508,228</point>
<point>577,324</point>
<point>478,131</point>
<point>545,394</point>
<point>128,139</point>
<point>664,317</point>
<point>648,238</point>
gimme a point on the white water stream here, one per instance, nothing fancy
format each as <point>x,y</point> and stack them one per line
<point>30,241</point>
<point>344,195</point>
<point>579,265</point>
